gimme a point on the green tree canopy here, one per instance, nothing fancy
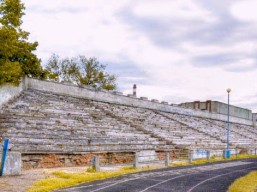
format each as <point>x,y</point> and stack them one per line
<point>80,71</point>
<point>16,53</point>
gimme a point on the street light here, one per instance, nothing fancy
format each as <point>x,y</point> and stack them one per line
<point>227,150</point>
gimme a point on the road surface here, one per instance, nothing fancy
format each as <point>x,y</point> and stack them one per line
<point>215,177</point>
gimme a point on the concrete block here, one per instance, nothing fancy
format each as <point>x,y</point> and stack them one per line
<point>136,163</point>
<point>13,163</point>
<point>147,155</point>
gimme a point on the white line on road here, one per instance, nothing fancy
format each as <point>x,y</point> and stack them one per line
<point>190,190</point>
<point>165,181</point>
<point>164,173</point>
<point>187,175</point>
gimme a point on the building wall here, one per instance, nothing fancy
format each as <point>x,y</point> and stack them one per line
<point>220,108</point>
<point>255,119</point>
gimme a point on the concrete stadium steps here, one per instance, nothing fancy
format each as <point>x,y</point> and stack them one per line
<point>162,127</point>
<point>239,137</point>
<point>45,121</point>
<point>39,121</point>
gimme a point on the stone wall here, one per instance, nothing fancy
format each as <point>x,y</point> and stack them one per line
<point>30,160</point>
<point>123,100</point>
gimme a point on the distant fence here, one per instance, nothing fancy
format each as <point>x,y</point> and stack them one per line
<point>168,157</point>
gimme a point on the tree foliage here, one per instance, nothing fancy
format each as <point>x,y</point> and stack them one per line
<point>16,53</point>
<point>80,71</point>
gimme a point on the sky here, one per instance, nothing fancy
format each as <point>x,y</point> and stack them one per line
<point>175,51</point>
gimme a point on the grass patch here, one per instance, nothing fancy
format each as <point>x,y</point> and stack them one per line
<point>247,183</point>
<point>212,160</point>
<point>62,179</point>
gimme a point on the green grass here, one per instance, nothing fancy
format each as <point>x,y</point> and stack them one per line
<point>62,179</point>
<point>212,160</point>
<point>247,183</point>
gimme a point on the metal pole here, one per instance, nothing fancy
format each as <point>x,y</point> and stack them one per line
<point>227,153</point>
<point>228,125</point>
<point>5,149</point>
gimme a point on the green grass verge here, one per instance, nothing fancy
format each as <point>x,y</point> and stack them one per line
<point>247,183</point>
<point>212,160</point>
<point>62,179</point>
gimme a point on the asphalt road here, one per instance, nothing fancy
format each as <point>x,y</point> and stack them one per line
<point>205,178</point>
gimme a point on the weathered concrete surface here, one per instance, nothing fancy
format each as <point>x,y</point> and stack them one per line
<point>8,92</point>
<point>12,164</point>
<point>146,155</point>
<point>120,99</point>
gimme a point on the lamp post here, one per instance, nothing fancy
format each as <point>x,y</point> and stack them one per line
<point>227,150</point>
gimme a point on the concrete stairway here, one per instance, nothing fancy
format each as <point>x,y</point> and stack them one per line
<point>44,122</point>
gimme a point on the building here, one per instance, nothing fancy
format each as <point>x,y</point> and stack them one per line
<point>254,119</point>
<point>220,108</point>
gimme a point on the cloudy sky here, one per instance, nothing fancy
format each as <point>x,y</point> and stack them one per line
<point>174,50</point>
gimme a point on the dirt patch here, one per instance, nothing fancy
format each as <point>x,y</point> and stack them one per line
<point>22,182</point>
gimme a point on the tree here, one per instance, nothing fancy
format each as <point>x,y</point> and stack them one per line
<point>16,53</point>
<point>80,71</point>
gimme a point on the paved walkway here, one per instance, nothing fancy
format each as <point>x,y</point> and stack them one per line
<point>212,177</point>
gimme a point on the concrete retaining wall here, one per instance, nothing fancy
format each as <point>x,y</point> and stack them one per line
<point>12,164</point>
<point>8,92</point>
<point>121,99</point>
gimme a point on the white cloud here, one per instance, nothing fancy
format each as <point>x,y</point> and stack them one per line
<point>245,10</point>
<point>95,28</point>
<point>172,9</point>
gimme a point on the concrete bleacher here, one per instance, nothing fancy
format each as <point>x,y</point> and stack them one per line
<point>175,132</point>
<point>39,122</point>
<point>240,136</point>
<point>47,117</point>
